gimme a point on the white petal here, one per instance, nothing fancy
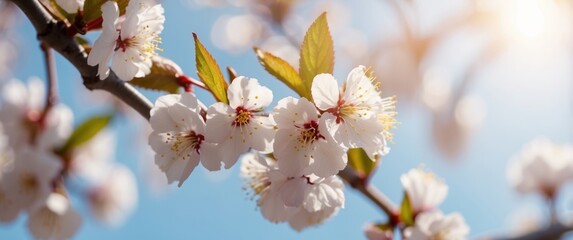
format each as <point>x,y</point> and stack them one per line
<point>293,192</point>
<point>192,162</point>
<point>123,66</point>
<point>219,119</point>
<point>210,158</point>
<point>261,134</point>
<point>291,112</point>
<point>325,91</point>
<point>329,159</point>
<point>293,157</point>
<point>247,92</point>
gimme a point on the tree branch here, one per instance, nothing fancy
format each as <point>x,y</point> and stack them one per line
<point>53,34</point>
<point>554,231</point>
<point>371,192</point>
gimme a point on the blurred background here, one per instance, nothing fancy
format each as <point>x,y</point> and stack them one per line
<point>475,81</point>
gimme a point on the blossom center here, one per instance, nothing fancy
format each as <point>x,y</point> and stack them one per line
<point>184,142</point>
<point>309,133</point>
<point>145,42</point>
<point>243,117</point>
<point>28,182</point>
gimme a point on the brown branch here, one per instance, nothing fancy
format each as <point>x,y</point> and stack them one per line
<point>53,34</point>
<point>371,192</point>
<point>554,231</point>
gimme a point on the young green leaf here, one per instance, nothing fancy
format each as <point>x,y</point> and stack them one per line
<point>406,211</point>
<point>283,71</point>
<point>85,132</point>
<point>164,76</point>
<point>360,162</point>
<point>209,72</point>
<point>316,52</point>
<point>84,43</point>
<point>92,8</point>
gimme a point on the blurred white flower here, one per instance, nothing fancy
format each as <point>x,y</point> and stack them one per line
<point>178,137</point>
<point>302,201</point>
<point>71,6</point>
<point>9,209</point>
<point>351,112</point>
<point>56,219</point>
<point>114,199</point>
<point>281,47</point>
<point>6,154</point>
<point>30,181</point>
<point>131,43</point>
<point>542,166</point>
<point>239,126</point>
<point>374,232</point>
<point>302,141</point>
<point>92,161</point>
<point>434,225</point>
<point>425,191</point>
<point>20,112</point>
<point>237,33</point>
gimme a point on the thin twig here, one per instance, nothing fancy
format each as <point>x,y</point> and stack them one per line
<point>52,78</point>
<point>53,34</point>
<point>371,192</point>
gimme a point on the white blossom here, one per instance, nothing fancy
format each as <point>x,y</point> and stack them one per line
<point>92,161</point>
<point>131,43</point>
<point>302,141</point>
<point>351,113</point>
<point>542,166</point>
<point>20,113</point>
<point>178,137</point>
<point>425,191</point>
<point>115,198</point>
<point>9,209</point>
<point>434,225</point>
<point>239,126</point>
<point>56,219</point>
<point>302,202</point>
<point>255,170</point>
<point>30,181</point>
<point>71,6</point>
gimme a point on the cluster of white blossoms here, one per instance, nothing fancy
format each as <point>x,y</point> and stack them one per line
<point>129,42</point>
<point>33,172</point>
<point>542,167</point>
<point>425,192</point>
<point>308,140</point>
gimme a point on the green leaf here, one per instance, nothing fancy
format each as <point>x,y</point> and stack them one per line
<point>209,72</point>
<point>406,211</point>
<point>361,163</point>
<point>92,8</point>
<point>85,132</point>
<point>164,76</point>
<point>283,71</point>
<point>316,52</point>
<point>84,43</point>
